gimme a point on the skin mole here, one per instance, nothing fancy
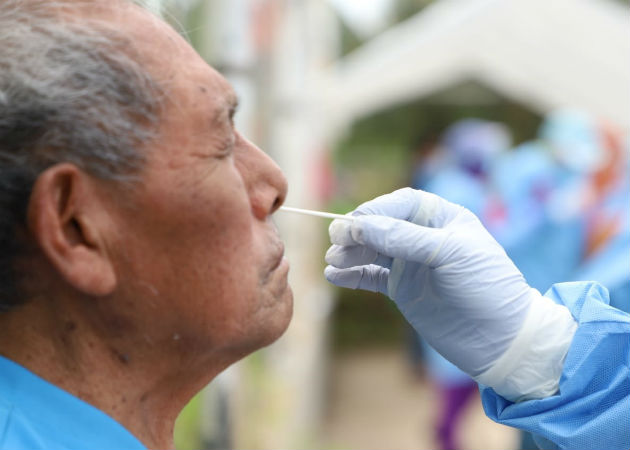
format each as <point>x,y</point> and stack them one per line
<point>122,357</point>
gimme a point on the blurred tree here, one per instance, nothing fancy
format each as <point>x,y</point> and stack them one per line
<point>349,39</point>
<point>403,9</point>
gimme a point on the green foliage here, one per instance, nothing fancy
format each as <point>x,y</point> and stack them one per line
<point>403,9</point>
<point>365,319</point>
<point>349,39</point>
<point>187,426</point>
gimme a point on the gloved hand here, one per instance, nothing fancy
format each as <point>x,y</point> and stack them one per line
<point>451,280</point>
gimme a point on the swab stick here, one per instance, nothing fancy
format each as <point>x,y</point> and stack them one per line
<point>316,213</point>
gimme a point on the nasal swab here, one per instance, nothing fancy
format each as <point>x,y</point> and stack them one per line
<point>316,213</point>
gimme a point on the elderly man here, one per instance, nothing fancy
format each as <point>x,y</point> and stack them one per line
<point>137,255</point>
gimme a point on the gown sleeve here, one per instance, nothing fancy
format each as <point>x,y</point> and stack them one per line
<point>591,409</point>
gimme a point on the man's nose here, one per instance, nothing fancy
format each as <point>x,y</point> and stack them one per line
<point>265,182</point>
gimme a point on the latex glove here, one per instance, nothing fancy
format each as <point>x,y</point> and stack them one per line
<point>451,280</point>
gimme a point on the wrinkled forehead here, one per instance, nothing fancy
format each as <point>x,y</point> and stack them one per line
<point>188,82</point>
<point>158,46</point>
<point>146,35</point>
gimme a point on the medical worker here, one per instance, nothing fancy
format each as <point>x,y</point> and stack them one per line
<point>557,365</point>
<point>545,245</point>
<point>470,146</point>
<point>608,244</point>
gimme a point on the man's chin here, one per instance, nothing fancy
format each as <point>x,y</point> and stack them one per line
<point>263,332</point>
<point>281,317</point>
<point>273,313</point>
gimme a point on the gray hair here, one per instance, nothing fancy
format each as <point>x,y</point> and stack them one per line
<point>69,92</point>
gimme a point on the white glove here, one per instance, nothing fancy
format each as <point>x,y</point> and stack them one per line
<point>456,286</point>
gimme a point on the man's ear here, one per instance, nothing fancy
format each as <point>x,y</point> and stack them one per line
<point>63,216</point>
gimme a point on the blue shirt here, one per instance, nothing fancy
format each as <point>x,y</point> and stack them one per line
<point>35,414</point>
<point>592,407</point>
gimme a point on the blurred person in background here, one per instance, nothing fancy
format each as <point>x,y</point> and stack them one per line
<point>137,255</point>
<point>566,196</point>
<point>544,242</point>
<point>454,389</point>
<point>524,179</point>
<point>465,154</point>
<point>427,160</point>
<point>470,148</point>
<point>544,190</point>
<point>608,222</point>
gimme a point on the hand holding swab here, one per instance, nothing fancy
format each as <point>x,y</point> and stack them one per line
<point>316,213</point>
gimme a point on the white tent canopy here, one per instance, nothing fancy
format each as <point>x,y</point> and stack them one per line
<point>545,54</point>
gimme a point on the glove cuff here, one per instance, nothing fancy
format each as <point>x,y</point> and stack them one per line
<point>531,366</point>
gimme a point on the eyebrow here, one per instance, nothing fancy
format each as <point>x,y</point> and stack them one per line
<point>228,105</point>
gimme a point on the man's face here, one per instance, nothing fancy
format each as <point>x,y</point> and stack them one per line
<point>198,259</point>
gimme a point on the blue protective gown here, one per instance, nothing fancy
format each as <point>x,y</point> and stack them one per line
<point>592,408</point>
<point>35,414</point>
